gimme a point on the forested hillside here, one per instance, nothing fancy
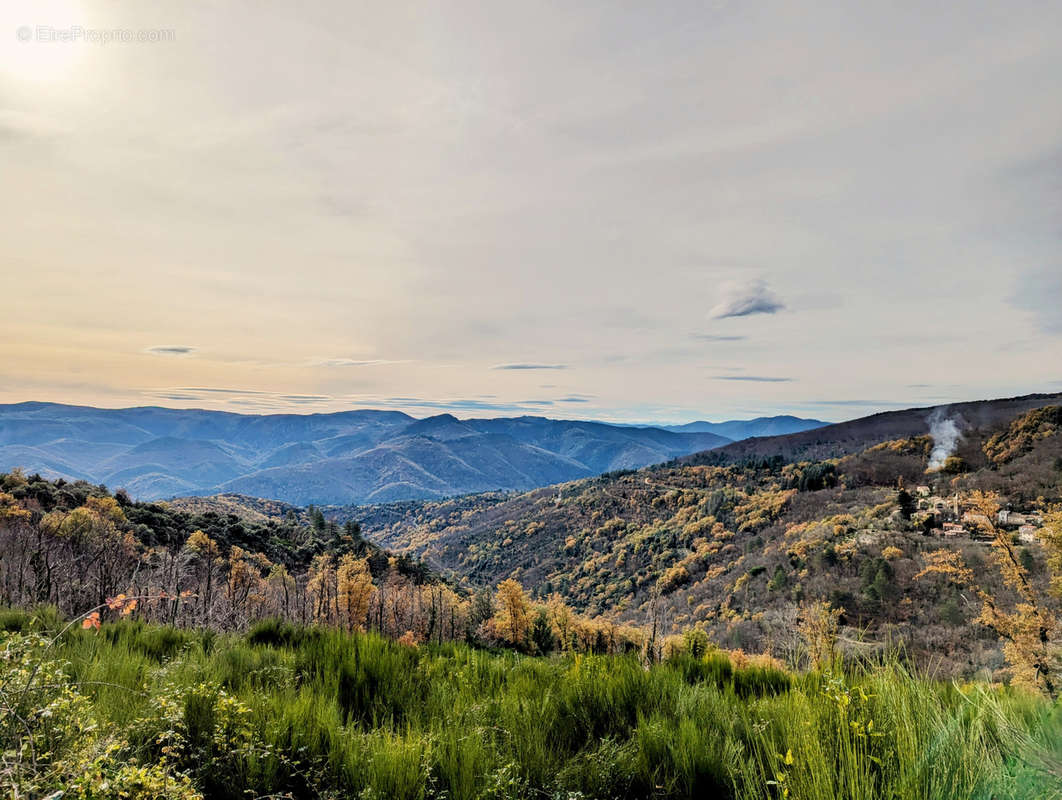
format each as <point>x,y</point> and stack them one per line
<point>739,545</point>
<point>76,547</point>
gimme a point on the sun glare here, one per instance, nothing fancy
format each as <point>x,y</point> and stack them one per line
<point>42,40</point>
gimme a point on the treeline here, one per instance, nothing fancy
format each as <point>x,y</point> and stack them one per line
<point>76,546</point>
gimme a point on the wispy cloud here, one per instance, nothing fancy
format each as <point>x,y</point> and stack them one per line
<point>414,405</point>
<point>261,400</point>
<point>751,378</point>
<point>840,403</point>
<point>743,298</point>
<point>445,405</point>
<point>712,337</point>
<point>219,390</point>
<point>349,362</point>
<point>170,350</point>
<point>530,366</point>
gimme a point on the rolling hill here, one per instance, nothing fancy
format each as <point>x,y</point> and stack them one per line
<point>843,438</point>
<point>362,456</point>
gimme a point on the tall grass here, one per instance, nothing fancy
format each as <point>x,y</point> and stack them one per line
<point>314,712</point>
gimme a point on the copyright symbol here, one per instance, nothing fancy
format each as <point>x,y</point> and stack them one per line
<point>25,33</point>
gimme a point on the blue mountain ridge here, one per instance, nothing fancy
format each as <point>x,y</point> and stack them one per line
<point>359,456</point>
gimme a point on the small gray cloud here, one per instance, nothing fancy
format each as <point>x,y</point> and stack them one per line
<point>170,350</point>
<point>744,298</point>
<point>530,366</point>
<point>572,400</point>
<point>711,337</point>
<point>752,378</point>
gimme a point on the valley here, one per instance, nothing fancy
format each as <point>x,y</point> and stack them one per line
<point>737,539</point>
<point>653,623</point>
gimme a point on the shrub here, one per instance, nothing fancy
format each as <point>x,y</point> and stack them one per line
<point>315,713</point>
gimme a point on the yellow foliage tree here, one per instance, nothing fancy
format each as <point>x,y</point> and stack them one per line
<point>1051,538</point>
<point>354,587</point>
<point>107,508</point>
<point>949,565</point>
<point>1028,626</point>
<point>817,626</point>
<point>107,550</point>
<point>10,510</point>
<point>512,619</point>
<point>561,620</point>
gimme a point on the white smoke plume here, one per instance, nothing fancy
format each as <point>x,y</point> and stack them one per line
<point>946,435</point>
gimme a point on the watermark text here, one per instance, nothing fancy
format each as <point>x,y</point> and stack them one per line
<point>76,34</point>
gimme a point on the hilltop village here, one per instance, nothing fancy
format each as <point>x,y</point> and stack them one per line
<point>954,516</point>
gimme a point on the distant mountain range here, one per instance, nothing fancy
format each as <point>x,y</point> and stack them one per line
<point>749,428</point>
<point>340,458</point>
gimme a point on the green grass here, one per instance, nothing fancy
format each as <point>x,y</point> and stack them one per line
<point>320,713</point>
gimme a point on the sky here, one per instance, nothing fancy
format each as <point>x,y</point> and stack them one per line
<point>612,210</point>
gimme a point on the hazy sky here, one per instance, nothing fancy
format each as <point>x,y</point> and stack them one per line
<point>636,211</point>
